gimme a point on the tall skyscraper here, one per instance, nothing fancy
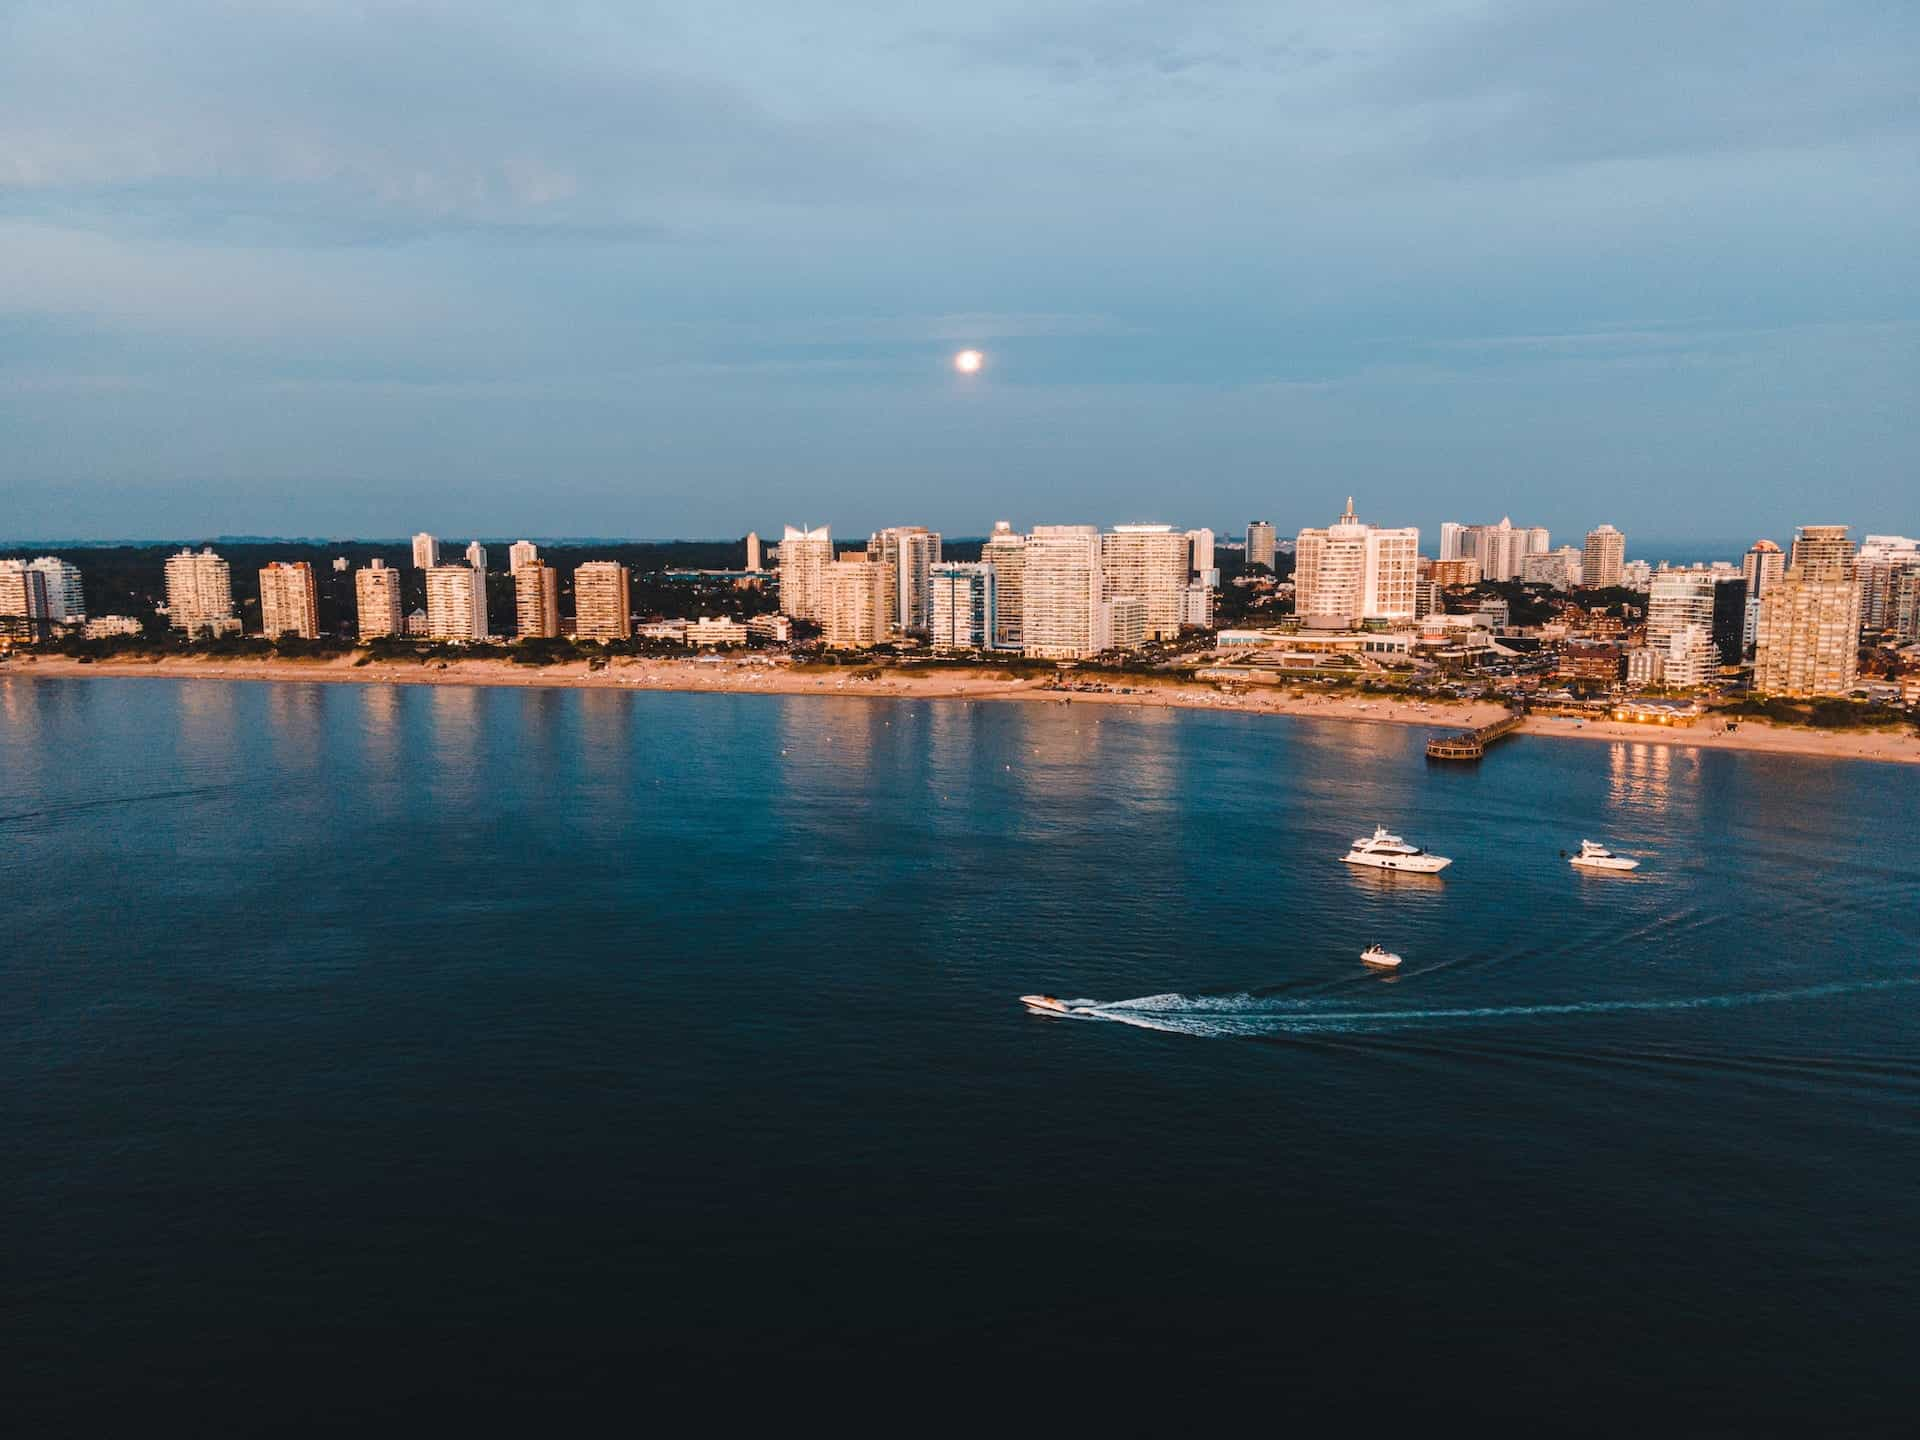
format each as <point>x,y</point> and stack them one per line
<point>1450,533</point>
<point>376,591</point>
<point>1809,632</point>
<point>1260,548</point>
<point>602,602</point>
<point>521,552</point>
<point>1149,562</point>
<point>1606,553</point>
<point>457,602</point>
<point>1677,599</point>
<point>200,594</point>
<point>1065,614</point>
<point>476,555</point>
<point>753,551</point>
<point>66,601</point>
<point>961,606</point>
<point>1882,560</point>
<point>804,558</point>
<point>289,601</point>
<point>911,550</point>
<point>1006,552</point>
<point>1352,571</point>
<point>536,601</point>
<point>859,593</point>
<point>426,551</point>
<point>25,607</point>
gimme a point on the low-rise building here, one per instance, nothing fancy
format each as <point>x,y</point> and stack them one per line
<point>674,631</point>
<point>776,628</point>
<point>717,631</point>
<point>104,627</point>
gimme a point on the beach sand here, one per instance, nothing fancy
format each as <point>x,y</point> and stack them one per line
<point>739,675</point>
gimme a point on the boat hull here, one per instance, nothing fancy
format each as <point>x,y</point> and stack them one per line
<point>1405,864</point>
<point>1614,863</point>
<point>1381,962</point>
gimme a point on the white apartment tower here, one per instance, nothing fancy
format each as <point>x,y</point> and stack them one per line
<point>66,601</point>
<point>24,600</point>
<point>1006,552</point>
<point>457,603</point>
<point>1200,554</point>
<point>1678,600</point>
<point>1501,549</point>
<point>426,551</point>
<point>753,551</point>
<point>1065,615</point>
<point>376,591</point>
<point>857,596</point>
<point>289,601</point>
<point>1762,565</point>
<point>1150,562</point>
<point>602,604</point>
<point>476,555</point>
<point>536,600</point>
<point>912,550</point>
<point>1260,546</point>
<point>1450,533</point>
<point>961,606</point>
<point>805,555</point>
<point>1809,631</point>
<point>1352,571</point>
<point>1883,559</point>
<point>200,594</point>
<point>521,552</point>
<point>1605,555</point>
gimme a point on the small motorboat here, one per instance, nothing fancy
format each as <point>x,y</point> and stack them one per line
<point>1595,856</point>
<point>1047,1003</point>
<point>1380,958</point>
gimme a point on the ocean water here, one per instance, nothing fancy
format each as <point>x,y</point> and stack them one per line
<point>460,1057</point>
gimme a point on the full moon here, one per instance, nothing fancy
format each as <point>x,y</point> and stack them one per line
<point>968,362</point>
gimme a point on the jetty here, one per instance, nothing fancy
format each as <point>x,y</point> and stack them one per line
<point>1472,744</point>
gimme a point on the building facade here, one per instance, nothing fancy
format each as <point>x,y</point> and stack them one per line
<point>536,600</point>
<point>1150,563</point>
<point>962,607</point>
<point>1260,544</point>
<point>1560,569</point>
<point>1809,631</point>
<point>602,602</point>
<point>426,551</point>
<point>66,599</point>
<point>26,610</point>
<point>456,603</point>
<point>1501,549</point>
<point>858,599</point>
<point>1601,561</point>
<point>1006,552</point>
<point>521,552</point>
<point>376,593</point>
<point>1066,616</point>
<point>1883,559</point>
<point>805,557</point>
<point>289,601</point>
<point>1352,571</point>
<point>911,551</point>
<point>200,594</point>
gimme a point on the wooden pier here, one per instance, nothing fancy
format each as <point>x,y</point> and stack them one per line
<point>1472,744</point>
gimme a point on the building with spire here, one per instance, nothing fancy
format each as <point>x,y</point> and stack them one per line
<point>1352,571</point>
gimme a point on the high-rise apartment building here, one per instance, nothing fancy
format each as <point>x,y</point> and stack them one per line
<point>476,555</point>
<point>1127,623</point>
<point>289,601</point>
<point>1196,605</point>
<point>200,594</point>
<point>457,602</point>
<point>66,600</point>
<point>1149,562</point>
<point>1445,573</point>
<point>1200,556</point>
<point>426,551</point>
<point>1501,549</point>
<point>1450,533</point>
<point>1903,617</point>
<point>1677,600</point>
<point>1065,614</point>
<point>1260,546</point>
<point>25,607</point>
<point>1561,569</point>
<point>1763,564</point>
<point>1809,631</point>
<point>804,558</point>
<point>1352,571</point>
<point>1689,657</point>
<point>961,606</point>
<point>858,596</point>
<point>602,602</point>
<point>1006,552</point>
<point>1882,560</point>
<point>1605,555</point>
<point>536,600</point>
<point>376,591</point>
<point>753,551</point>
<point>911,551</point>
<point>521,552</point>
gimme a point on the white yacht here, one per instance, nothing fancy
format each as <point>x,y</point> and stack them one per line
<point>1595,856</point>
<point>1047,1003</point>
<point>1385,851</point>
<point>1380,958</point>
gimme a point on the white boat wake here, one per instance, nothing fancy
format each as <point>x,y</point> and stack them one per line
<point>1255,1015</point>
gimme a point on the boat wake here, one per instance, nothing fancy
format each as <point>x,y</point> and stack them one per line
<point>1256,1015</point>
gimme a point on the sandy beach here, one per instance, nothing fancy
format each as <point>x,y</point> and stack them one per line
<point>743,675</point>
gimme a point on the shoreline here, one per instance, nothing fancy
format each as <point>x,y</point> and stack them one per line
<point>743,677</point>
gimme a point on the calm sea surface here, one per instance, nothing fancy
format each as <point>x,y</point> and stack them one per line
<point>444,1056</point>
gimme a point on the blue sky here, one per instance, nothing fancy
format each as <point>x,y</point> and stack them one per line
<point>362,266</point>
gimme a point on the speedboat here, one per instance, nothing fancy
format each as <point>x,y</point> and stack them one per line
<point>1046,1003</point>
<point>1380,958</point>
<point>1387,851</point>
<point>1595,856</point>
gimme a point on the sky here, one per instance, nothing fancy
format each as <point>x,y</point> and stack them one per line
<point>362,267</point>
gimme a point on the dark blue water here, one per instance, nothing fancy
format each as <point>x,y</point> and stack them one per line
<point>407,1057</point>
